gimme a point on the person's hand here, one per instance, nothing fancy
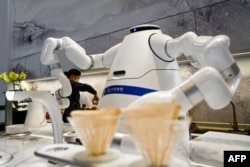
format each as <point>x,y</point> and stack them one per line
<point>95,99</point>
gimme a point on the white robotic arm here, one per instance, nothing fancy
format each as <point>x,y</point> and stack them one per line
<point>77,55</point>
<point>74,52</point>
<point>48,57</point>
<point>201,51</point>
<point>216,82</point>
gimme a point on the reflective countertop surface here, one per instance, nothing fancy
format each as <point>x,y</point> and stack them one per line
<point>203,151</point>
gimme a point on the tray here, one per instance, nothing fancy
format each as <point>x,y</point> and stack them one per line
<point>71,154</point>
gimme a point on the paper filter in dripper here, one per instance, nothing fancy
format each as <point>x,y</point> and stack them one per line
<point>156,131</point>
<point>95,128</point>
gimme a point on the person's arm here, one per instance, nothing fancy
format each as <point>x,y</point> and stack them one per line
<point>85,87</point>
<point>82,87</point>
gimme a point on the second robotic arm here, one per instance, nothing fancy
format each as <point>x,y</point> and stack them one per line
<point>205,85</point>
<point>217,80</point>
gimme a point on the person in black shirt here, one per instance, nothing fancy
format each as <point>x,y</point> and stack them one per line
<point>77,87</point>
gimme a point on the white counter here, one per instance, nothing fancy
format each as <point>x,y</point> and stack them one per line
<point>205,150</point>
<point>208,149</point>
<point>22,147</point>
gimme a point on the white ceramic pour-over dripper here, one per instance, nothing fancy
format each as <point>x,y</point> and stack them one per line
<point>96,129</point>
<point>96,133</point>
